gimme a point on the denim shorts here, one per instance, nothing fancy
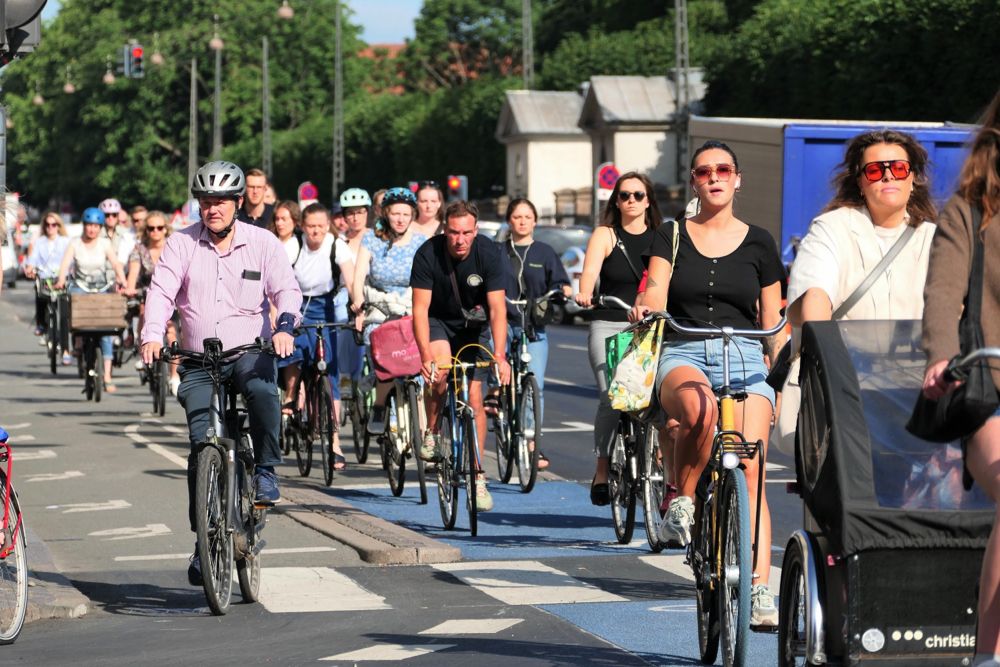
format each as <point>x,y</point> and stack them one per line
<point>747,370</point>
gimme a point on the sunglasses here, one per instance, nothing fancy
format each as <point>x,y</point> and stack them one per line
<point>51,224</point>
<point>704,173</point>
<point>875,171</point>
<point>429,184</point>
<point>154,228</point>
<point>624,196</point>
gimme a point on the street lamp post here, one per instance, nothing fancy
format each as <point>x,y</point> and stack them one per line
<point>338,111</point>
<point>216,44</point>
<point>193,123</point>
<point>266,103</point>
<point>527,45</point>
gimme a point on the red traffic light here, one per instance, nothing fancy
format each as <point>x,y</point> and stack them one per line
<point>454,183</point>
<point>137,52</point>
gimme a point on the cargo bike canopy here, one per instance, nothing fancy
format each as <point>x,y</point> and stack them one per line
<point>866,481</point>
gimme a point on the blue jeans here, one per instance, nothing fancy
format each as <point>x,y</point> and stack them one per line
<point>350,355</point>
<point>539,351</point>
<point>255,376</point>
<point>316,309</point>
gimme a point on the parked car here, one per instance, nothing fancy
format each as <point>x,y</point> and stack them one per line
<point>570,244</point>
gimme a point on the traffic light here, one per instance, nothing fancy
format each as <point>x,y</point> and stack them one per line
<point>135,68</point>
<point>458,187</point>
<point>414,186</point>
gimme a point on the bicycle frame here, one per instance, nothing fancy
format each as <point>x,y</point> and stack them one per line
<point>5,455</point>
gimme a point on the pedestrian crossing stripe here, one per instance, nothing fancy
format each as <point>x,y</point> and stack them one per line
<point>314,589</point>
<point>525,582</point>
<point>472,626</point>
<point>388,652</point>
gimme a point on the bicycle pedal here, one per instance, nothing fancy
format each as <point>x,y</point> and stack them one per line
<point>764,629</point>
<point>262,505</point>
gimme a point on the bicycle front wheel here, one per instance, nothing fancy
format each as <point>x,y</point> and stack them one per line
<point>622,495</point>
<point>447,488</point>
<point>706,590</point>
<point>393,445</point>
<point>326,428</point>
<point>472,472</point>
<point>737,574</point>
<point>51,335</point>
<point>13,569</point>
<point>503,436</point>
<point>416,440</point>
<point>358,419</point>
<point>98,375</point>
<point>215,545</point>
<point>652,487</point>
<point>161,387</point>
<point>529,431</point>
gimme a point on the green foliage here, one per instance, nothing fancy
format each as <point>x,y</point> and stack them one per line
<point>863,59</point>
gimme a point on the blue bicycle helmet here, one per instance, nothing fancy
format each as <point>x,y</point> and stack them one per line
<point>399,196</point>
<point>93,216</point>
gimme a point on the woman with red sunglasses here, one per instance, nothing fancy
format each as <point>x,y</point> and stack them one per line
<point>881,190</point>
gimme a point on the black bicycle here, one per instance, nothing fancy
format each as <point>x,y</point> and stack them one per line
<point>55,324</point>
<point>228,521</point>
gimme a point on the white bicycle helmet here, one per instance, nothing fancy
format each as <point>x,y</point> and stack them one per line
<point>219,179</point>
<point>110,206</point>
<point>354,197</point>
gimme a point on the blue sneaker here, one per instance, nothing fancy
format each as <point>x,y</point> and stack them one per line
<point>266,483</point>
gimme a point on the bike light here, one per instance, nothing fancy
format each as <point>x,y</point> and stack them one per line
<point>526,357</point>
<point>730,461</point>
<point>321,365</point>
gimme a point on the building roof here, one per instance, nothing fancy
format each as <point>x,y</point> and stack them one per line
<point>539,112</point>
<point>635,100</point>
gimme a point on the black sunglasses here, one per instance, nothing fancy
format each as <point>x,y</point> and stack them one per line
<point>429,184</point>
<point>624,196</point>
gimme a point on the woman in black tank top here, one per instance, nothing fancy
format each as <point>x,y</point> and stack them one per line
<point>617,254</point>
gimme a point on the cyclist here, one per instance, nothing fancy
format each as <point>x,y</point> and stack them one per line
<point>458,286</point>
<point>728,273</point>
<point>616,253</point>
<point>90,255</point>
<point>430,209</point>
<point>254,211</point>
<point>533,269</point>
<point>356,204</point>
<point>43,262</point>
<point>319,266</point>
<point>122,239</point>
<point>220,274</point>
<point>384,261</point>
<point>152,239</point>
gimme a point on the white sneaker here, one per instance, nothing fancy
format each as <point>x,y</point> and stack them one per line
<point>175,383</point>
<point>484,501</point>
<point>675,528</point>
<point>763,613</point>
<point>429,447</point>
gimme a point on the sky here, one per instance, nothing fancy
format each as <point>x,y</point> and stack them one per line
<point>383,21</point>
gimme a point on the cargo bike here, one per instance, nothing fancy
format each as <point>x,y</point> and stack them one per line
<point>886,567</point>
<point>92,316</point>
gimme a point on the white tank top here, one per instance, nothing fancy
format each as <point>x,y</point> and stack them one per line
<point>90,263</point>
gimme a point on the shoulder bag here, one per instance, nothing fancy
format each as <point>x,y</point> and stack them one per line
<point>960,413</point>
<point>784,377</point>
<point>475,316</point>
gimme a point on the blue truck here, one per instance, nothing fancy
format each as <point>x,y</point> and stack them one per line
<point>788,164</point>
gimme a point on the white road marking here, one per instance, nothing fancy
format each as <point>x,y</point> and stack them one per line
<point>313,589</point>
<point>775,466</point>
<point>15,427</point>
<point>526,582</point>
<point>132,431</point>
<point>472,626</point>
<point>388,652</point>
<point>779,481</point>
<point>27,437</point>
<point>571,427</point>
<point>91,507</point>
<point>149,530</point>
<point>564,383</point>
<point>185,556</point>
<point>576,348</point>
<point>34,456</point>
<point>54,476</point>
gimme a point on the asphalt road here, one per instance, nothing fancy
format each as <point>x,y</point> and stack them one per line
<point>545,583</point>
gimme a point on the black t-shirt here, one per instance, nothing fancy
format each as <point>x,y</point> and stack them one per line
<point>722,291</point>
<point>263,221</point>
<point>481,272</point>
<point>620,277</point>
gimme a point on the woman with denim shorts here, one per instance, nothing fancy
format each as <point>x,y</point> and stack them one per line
<point>728,273</point>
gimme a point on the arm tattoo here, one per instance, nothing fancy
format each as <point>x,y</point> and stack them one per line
<point>650,282</point>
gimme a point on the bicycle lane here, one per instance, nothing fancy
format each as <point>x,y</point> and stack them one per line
<point>551,549</point>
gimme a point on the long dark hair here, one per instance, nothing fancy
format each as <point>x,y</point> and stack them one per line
<point>845,183</point>
<point>517,201</point>
<point>612,215</point>
<point>979,181</point>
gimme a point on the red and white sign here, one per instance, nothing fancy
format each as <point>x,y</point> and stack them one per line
<point>607,176</point>
<point>308,193</point>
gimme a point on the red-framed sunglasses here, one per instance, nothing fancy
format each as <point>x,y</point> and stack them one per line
<point>875,171</point>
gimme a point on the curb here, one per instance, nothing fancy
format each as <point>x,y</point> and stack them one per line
<point>376,540</point>
<point>50,593</point>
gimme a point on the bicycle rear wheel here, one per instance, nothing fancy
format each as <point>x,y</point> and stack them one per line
<point>530,412</point>
<point>393,444</point>
<point>326,430</point>
<point>51,334</point>
<point>503,436</point>
<point>215,545</point>
<point>161,387</point>
<point>652,487</point>
<point>734,598</point>
<point>98,375</point>
<point>706,591</point>
<point>13,570</point>
<point>301,444</point>
<point>622,495</point>
<point>793,613</point>
<point>359,418</point>
<point>447,488</point>
<point>416,440</point>
<point>248,567</point>
<point>472,471</point>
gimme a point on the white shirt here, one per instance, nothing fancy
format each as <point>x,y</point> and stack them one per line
<point>291,248</point>
<point>313,270</point>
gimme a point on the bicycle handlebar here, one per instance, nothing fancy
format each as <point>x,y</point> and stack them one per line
<point>956,368</point>
<point>608,301</point>
<point>708,331</point>
<point>524,302</point>
<point>215,353</point>
<point>323,325</point>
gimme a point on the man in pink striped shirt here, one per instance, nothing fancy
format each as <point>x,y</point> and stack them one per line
<point>219,275</point>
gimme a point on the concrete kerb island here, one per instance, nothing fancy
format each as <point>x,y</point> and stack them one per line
<point>376,540</point>
<point>50,593</point>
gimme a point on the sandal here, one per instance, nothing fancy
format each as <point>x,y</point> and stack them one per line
<point>339,462</point>
<point>288,409</point>
<point>110,388</point>
<point>543,460</point>
<point>491,405</point>
<point>600,494</point>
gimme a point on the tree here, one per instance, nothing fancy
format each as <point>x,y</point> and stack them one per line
<point>859,59</point>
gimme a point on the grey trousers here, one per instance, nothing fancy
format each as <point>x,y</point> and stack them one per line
<point>606,419</point>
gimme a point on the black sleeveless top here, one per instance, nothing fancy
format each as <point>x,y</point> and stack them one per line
<point>617,277</point>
